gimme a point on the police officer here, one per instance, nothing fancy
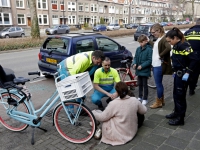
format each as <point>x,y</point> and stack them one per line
<point>193,37</point>
<point>184,61</point>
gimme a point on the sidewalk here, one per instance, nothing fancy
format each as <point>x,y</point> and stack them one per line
<point>155,134</point>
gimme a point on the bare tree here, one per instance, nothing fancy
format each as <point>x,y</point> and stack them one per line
<point>35,31</point>
<point>178,4</point>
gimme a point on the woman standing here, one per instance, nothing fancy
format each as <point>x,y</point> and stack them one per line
<point>161,62</point>
<point>120,118</point>
<point>184,61</point>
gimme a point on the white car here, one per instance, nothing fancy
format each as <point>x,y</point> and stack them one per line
<point>113,27</point>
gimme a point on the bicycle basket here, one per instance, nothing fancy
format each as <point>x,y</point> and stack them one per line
<point>74,86</point>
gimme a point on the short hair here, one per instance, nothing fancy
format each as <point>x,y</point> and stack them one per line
<point>198,21</point>
<point>122,89</point>
<point>106,59</point>
<point>142,38</point>
<point>98,54</point>
<point>158,27</point>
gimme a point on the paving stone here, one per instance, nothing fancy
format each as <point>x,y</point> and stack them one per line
<point>193,120</point>
<point>165,124</point>
<point>136,140</point>
<point>190,127</point>
<point>156,118</point>
<point>154,139</point>
<point>194,144</point>
<point>197,136</point>
<point>167,147</point>
<point>144,131</point>
<point>150,124</point>
<point>162,131</point>
<point>144,146</point>
<point>183,134</point>
<point>176,142</point>
<point>127,146</point>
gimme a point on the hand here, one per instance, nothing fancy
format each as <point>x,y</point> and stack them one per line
<point>185,77</point>
<point>134,66</point>
<point>112,96</point>
<point>139,67</point>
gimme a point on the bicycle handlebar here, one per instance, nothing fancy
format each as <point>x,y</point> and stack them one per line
<point>125,61</point>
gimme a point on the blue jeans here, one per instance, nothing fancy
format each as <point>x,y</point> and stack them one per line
<point>158,76</point>
<point>97,96</point>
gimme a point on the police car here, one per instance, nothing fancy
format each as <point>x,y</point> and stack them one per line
<point>56,48</point>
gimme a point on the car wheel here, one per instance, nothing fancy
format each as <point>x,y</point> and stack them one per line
<point>67,31</point>
<point>22,35</point>
<point>7,36</point>
<point>99,30</point>
<point>55,32</point>
<point>151,38</point>
<point>135,38</point>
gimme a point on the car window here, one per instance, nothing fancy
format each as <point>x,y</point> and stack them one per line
<point>142,28</point>
<point>84,45</point>
<point>57,45</point>
<point>18,29</point>
<point>12,29</point>
<point>105,44</point>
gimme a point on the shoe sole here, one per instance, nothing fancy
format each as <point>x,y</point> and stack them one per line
<point>155,107</point>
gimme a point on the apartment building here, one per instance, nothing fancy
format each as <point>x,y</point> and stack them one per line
<point>72,12</point>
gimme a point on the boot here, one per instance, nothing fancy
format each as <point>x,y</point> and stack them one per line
<point>163,101</point>
<point>157,104</point>
<point>171,116</point>
<point>176,121</point>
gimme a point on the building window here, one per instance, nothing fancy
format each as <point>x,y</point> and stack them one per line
<point>42,4</point>
<point>5,3</point>
<point>20,3</point>
<point>1,22</point>
<point>80,19</point>
<point>54,5</point>
<point>21,19</point>
<point>71,6</point>
<point>27,4</point>
<point>55,19</point>
<point>101,9</point>
<point>80,6</point>
<point>93,8</point>
<point>86,7</point>
<point>72,20</point>
<point>62,5</point>
<point>43,19</point>
<point>6,19</point>
<point>93,19</point>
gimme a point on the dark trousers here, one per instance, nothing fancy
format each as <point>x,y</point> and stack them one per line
<point>194,77</point>
<point>142,83</point>
<point>140,119</point>
<point>179,94</point>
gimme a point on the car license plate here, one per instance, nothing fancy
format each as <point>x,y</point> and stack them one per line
<point>52,61</point>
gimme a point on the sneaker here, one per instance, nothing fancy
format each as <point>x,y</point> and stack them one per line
<point>139,99</point>
<point>97,134</point>
<point>144,102</point>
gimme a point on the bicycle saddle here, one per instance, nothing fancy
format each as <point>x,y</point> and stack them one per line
<point>20,80</point>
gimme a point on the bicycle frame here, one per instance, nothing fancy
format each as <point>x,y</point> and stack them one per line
<point>32,118</point>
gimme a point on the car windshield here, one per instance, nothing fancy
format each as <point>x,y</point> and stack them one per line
<point>142,28</point>
<point>111,25</point>
<point>5,29</point>
<point>53,27</point>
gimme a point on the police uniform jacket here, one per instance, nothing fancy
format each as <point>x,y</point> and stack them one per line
<point>183,57</point>
<point>193,37</point>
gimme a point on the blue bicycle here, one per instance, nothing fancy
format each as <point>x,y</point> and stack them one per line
<point>71,119</point>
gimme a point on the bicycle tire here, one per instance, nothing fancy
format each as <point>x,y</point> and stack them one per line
<point>81,131</point>
<point>6,120</point>
<point>151,82</point>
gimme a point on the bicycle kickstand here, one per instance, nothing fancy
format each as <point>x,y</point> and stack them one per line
<point>32,139</point>
<point>42,129</point>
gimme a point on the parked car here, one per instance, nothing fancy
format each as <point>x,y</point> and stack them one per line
<point>179,23</point>
<point>113,27</point>
<point>56,48</point>
<point>186,22</point>
<point>58,29</point>
<point>131,26</point>
<point>12,32</point>
<point>144,29</point>
<point>99,27</point>
<point>170,24</point>
<point>163,24</point>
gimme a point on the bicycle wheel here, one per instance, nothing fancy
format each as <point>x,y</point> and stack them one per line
<point>151,82</point>
<point>6,120</point>
<point>83,128</point>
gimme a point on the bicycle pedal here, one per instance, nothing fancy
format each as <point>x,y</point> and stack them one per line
<point>12,102</point>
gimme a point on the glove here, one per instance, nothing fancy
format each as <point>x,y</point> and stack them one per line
<point>185,77</point>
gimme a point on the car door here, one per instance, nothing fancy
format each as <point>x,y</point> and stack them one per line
<point>111,49</point>
<point>18,31</point>
<point>59,29</point>
<point>12,32</point>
